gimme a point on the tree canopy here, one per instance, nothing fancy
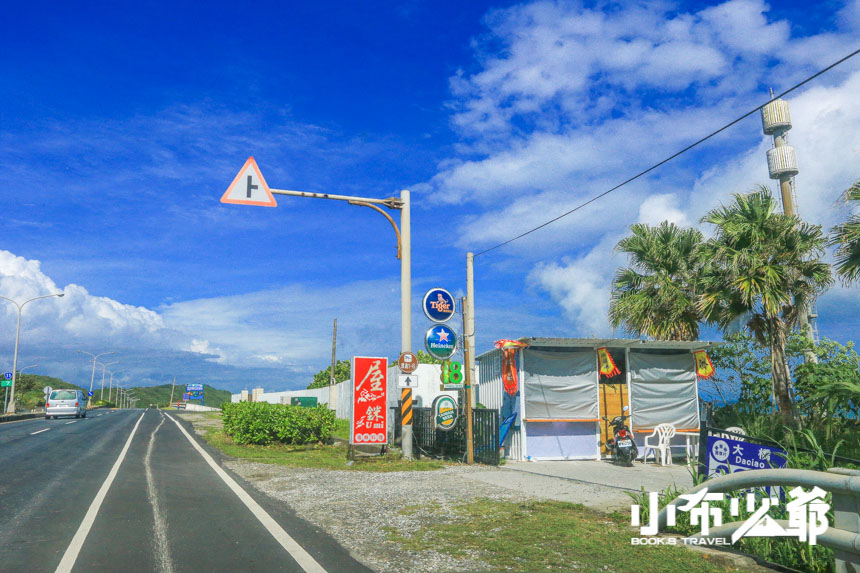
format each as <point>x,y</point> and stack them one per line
<point>656,295</point>
<point>846,239</point>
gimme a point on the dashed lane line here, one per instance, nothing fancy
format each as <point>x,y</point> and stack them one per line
<point>72,422</point>
<point>74,548</point>
<point>302,557</point>
<point>39,432</point>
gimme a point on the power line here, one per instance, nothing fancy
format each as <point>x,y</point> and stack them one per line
<point>673,156</point>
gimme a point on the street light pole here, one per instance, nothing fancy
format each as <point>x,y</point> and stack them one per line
<point>404,245</point>
<point>11,407</point>
<point>110,387</point>
<point>104,366</point>
<point>405,306</point>
<point>93,376</point>
<point>6,398</point>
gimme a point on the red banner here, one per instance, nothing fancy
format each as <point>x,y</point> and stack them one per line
<point>509,363</point>
<point>369,414</point>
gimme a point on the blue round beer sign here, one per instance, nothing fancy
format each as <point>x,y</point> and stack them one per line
<point>440,341</point>
<point>438,305</point>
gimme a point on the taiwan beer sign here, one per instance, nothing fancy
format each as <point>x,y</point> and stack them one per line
<point>369,423</point>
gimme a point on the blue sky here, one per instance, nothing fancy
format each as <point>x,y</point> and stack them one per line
<point>121,127</point>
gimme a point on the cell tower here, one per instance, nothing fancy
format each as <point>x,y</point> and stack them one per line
<point>782,166</point>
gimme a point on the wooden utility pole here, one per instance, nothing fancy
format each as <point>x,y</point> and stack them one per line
<point>332,394</point>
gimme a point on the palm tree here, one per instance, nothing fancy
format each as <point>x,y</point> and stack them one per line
<point>846,238</point>
<point>656,295</point>
<point>762,266</point>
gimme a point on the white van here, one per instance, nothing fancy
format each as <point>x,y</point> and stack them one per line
<point>66,403</point>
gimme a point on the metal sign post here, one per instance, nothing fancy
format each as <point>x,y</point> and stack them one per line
<point>250,188</point>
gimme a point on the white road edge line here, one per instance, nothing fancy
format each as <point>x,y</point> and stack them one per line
<point>74,548</point>
<point>302,557</point>
<point>39,432</point>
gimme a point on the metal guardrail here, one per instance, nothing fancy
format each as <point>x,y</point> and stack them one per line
<point>844,484</point>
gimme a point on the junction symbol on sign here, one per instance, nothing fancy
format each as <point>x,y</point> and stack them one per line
<point>249,188</point>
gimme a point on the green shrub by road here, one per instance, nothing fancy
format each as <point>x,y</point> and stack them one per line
<point>317,456</point>
<point>262,423</point>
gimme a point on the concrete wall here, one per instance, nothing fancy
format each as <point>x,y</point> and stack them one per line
<point>198,408</point>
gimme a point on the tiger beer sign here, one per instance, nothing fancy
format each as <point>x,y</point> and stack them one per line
<point>369,424</point>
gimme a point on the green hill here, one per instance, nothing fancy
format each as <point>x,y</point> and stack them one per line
<point>161,395</point>
<point>28,389</point>
<point>28,392</point>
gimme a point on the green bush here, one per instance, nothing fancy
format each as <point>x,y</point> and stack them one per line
<point>264,423</point>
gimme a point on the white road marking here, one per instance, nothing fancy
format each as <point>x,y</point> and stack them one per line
<point>39,432</point>
<point>74,548</point>
<point>72,422</point>
<point>162,553</point>
<point>302,557</point>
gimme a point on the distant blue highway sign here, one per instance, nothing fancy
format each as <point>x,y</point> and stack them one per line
<point>8,376</point>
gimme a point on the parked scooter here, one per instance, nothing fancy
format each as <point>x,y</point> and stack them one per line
<point>622,446</point>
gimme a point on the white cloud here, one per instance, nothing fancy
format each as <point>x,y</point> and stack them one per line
<point>78,315</point>
<point>662,207</point>
<point>578,99</point>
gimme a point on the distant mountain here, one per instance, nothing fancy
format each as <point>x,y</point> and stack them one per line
<point>161,395</point>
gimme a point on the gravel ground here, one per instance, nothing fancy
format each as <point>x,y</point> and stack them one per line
<point>346,505</point>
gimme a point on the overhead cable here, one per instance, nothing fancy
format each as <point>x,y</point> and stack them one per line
<point>673,156</point>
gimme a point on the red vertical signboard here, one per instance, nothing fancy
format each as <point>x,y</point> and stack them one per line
<point>369,402</point>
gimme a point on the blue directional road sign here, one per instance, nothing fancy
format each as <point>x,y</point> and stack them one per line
<point>90,393</point>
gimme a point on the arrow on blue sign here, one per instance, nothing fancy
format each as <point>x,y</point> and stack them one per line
<point>89,393</point>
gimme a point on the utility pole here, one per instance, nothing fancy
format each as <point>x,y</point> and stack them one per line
<point>172,385</point>
<point>469,351</point>
<point>332,394</point>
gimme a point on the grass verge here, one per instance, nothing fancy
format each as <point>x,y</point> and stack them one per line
<point>546,536</point>
<point>330,457</point>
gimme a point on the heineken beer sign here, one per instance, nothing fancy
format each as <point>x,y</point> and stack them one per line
<point>441,341</point>
<point>445,412</point>
<point>438,305</point>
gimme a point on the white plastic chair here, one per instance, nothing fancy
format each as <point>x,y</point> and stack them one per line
<point>664,434</point>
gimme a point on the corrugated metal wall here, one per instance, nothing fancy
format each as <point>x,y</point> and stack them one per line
<point>428,388</point>
<point>489,393</point>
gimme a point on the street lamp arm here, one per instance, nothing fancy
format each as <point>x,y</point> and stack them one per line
<point>21,305</point>
<point>390,202</point>
<point>384,214</point>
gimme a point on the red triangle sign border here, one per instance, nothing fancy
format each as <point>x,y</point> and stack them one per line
<point>225,198</point>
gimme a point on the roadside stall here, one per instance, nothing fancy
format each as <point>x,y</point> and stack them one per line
<point>553,393</point>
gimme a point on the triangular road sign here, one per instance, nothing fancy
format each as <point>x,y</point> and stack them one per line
<point>249,188</point>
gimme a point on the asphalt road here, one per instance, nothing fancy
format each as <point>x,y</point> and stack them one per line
<point>128,490</point>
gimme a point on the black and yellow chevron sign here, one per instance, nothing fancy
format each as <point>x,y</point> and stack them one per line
<point>406,407</point>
